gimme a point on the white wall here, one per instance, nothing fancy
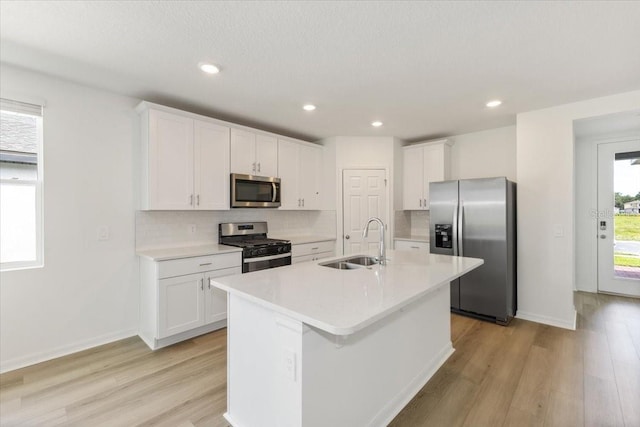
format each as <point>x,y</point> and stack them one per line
<point>87,292</point>
<point>363,153</point>
<point>484,154</point>
<point>545,176</point>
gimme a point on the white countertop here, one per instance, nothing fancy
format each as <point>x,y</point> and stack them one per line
<point>342,302</point>
<point>165,254</point>
<point>424,239</point>
<point>300,239</point>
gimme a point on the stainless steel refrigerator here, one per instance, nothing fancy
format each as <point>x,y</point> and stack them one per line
<point>477,218</point>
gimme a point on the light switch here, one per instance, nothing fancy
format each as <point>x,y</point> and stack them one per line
<point>103,232</point>
<point>558,230</point>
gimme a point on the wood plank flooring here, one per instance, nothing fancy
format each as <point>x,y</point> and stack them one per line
<point>526,374</point>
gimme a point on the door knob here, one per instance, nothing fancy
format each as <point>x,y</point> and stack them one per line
<point>603,236</point>
<point>347,237</point>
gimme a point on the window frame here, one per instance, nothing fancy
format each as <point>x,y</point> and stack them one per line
<point>39,196</point>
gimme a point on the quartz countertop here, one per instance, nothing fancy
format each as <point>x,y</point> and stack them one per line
<point>343,302</point>
<point>164,254</point>
<point>300,239</point>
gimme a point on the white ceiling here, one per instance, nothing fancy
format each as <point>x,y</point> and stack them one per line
<point>423,68</point>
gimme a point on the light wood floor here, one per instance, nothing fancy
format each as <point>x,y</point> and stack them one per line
<point>521,375</point>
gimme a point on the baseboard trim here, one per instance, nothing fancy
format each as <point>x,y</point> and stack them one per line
<point>65,350</point>
<point>393,408</point>
<point>548,320</point>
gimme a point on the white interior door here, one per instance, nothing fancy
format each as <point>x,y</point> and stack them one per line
<point>618,227</point>
<point>364,194</point>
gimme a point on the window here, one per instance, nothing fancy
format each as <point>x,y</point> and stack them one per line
<point>20,185</point>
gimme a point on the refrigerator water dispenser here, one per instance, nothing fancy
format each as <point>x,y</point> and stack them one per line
<point>444,235</point>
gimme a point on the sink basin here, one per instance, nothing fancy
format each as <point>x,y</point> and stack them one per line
<point>351,263</point>
<point>362,260</point>
<point>340,265</point>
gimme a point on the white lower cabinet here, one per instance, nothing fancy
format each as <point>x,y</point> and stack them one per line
<point>411,245</point>
<point>312,251</point>
<point>177,301</point>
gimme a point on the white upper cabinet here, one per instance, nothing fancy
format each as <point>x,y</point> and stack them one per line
<point>253,154</point>
<point>185,163</point>
<point>423,163</point>
<point>299,168</point>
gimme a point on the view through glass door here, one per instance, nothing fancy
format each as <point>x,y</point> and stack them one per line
<point>618,221</point>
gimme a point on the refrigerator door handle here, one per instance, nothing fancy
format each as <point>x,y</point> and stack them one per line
<point>460,228</point>
<point>455,229</point>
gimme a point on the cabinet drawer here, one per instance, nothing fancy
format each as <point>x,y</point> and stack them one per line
<point>312,248</point>
<point>315,257</point>
<point>179,267</point>
<point>409,245</point>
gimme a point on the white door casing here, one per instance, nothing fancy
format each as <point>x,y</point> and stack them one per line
<point>607,280</point>
<point>364,194</point>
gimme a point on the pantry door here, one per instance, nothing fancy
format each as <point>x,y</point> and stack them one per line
<point>364,195</point>
<point>618,220</point>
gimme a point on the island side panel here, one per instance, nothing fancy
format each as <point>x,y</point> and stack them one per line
<point>264,364</point>
<point>376,371</point>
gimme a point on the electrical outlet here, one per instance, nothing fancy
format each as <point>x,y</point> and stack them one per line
<point>289,361</point>
<point>192,228</point>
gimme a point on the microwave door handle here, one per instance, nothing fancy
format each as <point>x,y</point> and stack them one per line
<point>275,192</point>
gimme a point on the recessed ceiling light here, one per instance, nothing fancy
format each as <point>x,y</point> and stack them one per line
<point>494,103</point>
<point>209,68</point>
<point>309,107</point>
<point>376,124</point>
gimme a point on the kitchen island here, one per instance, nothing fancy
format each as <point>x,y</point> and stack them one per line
<point>310,345</point>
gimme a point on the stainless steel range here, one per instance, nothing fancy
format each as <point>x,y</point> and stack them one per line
<point>258,251</point>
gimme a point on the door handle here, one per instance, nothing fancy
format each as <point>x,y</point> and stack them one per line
<point>347,237</point>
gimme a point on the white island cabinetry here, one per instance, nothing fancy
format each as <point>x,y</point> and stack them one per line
<point>177,299</point>
<point>333,347</point>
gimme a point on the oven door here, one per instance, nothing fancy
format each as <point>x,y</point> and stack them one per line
<point>249,191</point>
<point>264,262</point>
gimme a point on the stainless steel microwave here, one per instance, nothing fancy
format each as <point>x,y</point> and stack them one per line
<point>250,191</point>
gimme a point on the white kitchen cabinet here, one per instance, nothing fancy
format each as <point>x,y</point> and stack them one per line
<point>253,153</point>
<point>177,301</point>
<point>423,163</point>
<point>312,251</point>
<point>185,162</point>
<point>411,245</point>
<point>299,168</point>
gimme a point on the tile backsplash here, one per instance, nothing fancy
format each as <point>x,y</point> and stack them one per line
<point>156,229</point>
<point>420,223</point>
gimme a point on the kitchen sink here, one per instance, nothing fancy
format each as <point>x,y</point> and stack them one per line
<point>350,263</point>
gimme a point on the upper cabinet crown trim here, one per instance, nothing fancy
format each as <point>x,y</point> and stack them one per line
<point>445,141</point>
<point>146,105</point>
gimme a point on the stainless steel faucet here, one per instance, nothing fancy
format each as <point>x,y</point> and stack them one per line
<point>382,259</point>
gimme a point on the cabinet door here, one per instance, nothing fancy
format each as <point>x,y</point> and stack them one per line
<point>412,178</point>
<point>266,155</point>
<point>181,306</point>
<point>215,300</point>
<point>170,164</point>
<point>288,172</point>
<point>211,166</point>
<point>243,152</point>
<point>310,168</point>
<point>435,166</point>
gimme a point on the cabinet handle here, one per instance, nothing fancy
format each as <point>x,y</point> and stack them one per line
<point>420,200</point>
<point>191,200</point>
<point>258,166</point>
<point>202,284</point>
<point>315,249</point>
<point>415,247</point>
<point>303,203</point>
<point>253,168</point>
<point>299,202</point>
<point>424,204</point>
<point>198,200</point>
<point>206,263</point>
<point>209,281</point>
